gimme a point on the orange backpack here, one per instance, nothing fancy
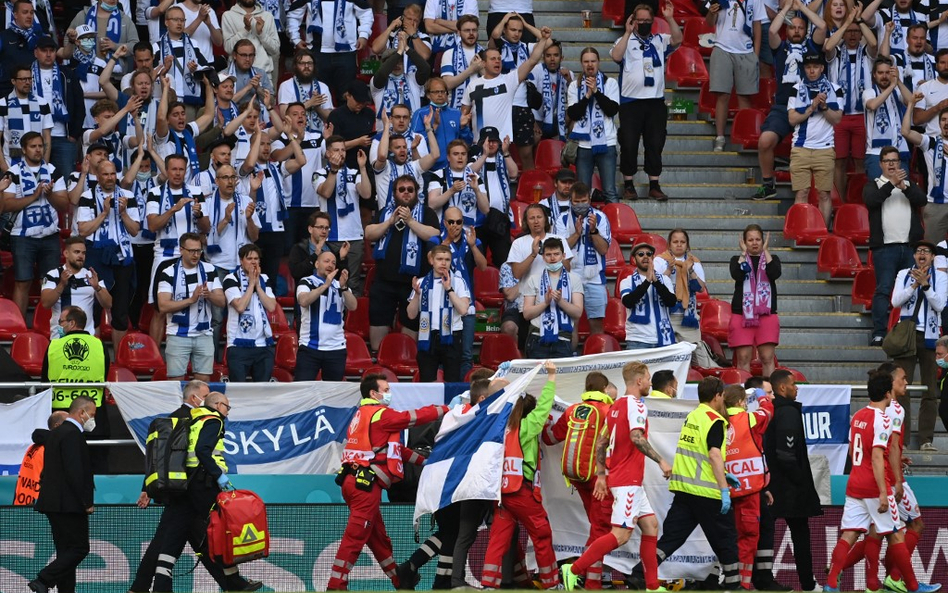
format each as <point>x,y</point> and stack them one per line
<point>585,421</point>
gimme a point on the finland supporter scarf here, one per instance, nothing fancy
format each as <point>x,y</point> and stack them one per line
<point>18,121</point>
<point>180,291</point>
<point>886,125</point>
<point>237,225</point>
<point>184,144</point>
<point>938,159</point>
<point>792,64</point>
<point>56,102</point>
<point>756,296</point>
<point>341,35</point>
<point>254,315</point>
<point>446,314</point>
<point>227,113</point>
<point>39,216</point>
<point>192,89</point>
<point>140,190</point>
<point>341,203</point>
<point>466,199</point>
<point>448,10</point>
<point>554,103</point>
<point>303,94</point>
<point>411,244</point>
<point>592,128</point>
<point>649,53</point>
<point>37,28</point>
<point>649,309</point>
<point>685,289</point>
<point>112,237</point>
<point>500,169</point>
<point>172,232</point>
<point>460,63</point>
<point>932,319</point>
<point>113,30</point>
<point>855,77</point>
<point>590,255</point>
<point>512,55</point>
<point>554,320</point>
<point>268,218</point>
<point>395,171</point>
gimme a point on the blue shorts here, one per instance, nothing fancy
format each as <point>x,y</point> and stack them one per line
<point>778,122</point>
<point>199,351</point>
<point>42,253</point>
<point>594,300</point>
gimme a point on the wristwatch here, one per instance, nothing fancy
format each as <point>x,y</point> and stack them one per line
<point>594,232</point>
<point>449,291</point>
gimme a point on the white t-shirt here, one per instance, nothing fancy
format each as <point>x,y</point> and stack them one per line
<point>852,71</point>
<point>300,189</point>
<point>166,241</point>
<point>78,293</point>
<point>643,332</point>
<point>531,287</point>
<point>566,226</point>
<point>933,92</point>
<point>321,324</point>
<point>518,6</point>
<point>345,222</point>
<point>164,145</point>
<point>491,102</point>
<point>436,299</point>
<point>291,91</point>
<point>409,136</point>
<point>898,41</point>
<point>522,247</point>
<point>222,249</point>
<point>89,84</point>
<point>929,148</point>
<point>247,325</point>
<point>635,67</point>
<point>883,123</point>
<point>89,209</point>
<point>46,80</point>
<point>730,32</point>
<point>201,38</point>
<point>448,68</point>
<point>455,9</point>
<point>180,282</point>
<point>611,91</point>
<point>816,132</point>
<point>389,173</point>
<point>39,219</point>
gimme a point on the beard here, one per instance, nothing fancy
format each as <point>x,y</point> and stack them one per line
<point>304,78</point>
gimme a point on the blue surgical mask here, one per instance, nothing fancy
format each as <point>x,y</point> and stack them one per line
<point>88,43</point>
<point>942,363</point>
<point>56,332</point>
<point>143,177</point>
<point>554,267</point>
<point>107,7</point>
<point>387,398</point>
<point>439,105</point>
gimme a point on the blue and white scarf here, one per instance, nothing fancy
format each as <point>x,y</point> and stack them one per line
<point>112,234</point>
<point>395,171</point>
<point>171,231</point>
<point>554,320</point>
<point>56,102</point>
<point>888,119</point>
<point>585,244</point>
<point>40,215</point>
<point>592,128</point>
<point>41,5</point>
<point>689,312</point>
<point>31,35</point>
<point>192,88</point>
<point>341,37</point>
<point>17,124</point>
<point>184,145</point>
<point>931,320</point>
<point>238,222</point>
<point>449,11</point>
<point>460,63</point>
<point>512,55</point>
<point>500,164</point>
<point>466,199</point>
<point>553,88</point>
<point>397,91</point>
<point>314,123</point>
<point>274,8</point>
<point>853,78</point>
<point>411,244</point>
<point>182,292</point>
<point>228,113</point>
<point>446,314</point>
<point>341,203</point>
<point>793,63</point>
<point>270,220</point>
<point>651,60</point>
<point>113,29</point>
<point>334,303</point>
<point>140,190</point>
<point>254,316</point>
<point>650,309</point>
<point>938,160</point>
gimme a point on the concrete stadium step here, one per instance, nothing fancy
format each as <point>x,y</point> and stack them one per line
<point>724,253</point>
<point>691,207</point>
<point>789,271</point>
<point>690,175</point>
<point>704,159</point>
<point>719,222</point>
<point>788,289</point>
<point>706,239</point>
<point>707,191</point>
<point>697,143</point>
<point>821,321</point>
<point>837,338</point>
<point>841,357</point>
<point>827,373</point>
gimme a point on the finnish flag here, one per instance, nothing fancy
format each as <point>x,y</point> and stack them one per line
<point>468,457</point>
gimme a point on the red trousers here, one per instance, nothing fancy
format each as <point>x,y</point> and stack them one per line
<point>747,521</point>
<point>364,528</point>
<point>520,506</point>
<point>599,513</point>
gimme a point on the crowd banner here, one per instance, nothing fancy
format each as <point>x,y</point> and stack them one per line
<point>467,460</point>
<point>19,420</point>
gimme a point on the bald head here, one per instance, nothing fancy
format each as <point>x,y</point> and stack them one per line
<point>56,418</point>
<point>217,401</point>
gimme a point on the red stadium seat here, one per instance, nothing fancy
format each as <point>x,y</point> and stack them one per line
<point>854,187</point>
<point>746,128</point>
<point>11,320</point>
<point>358,358</point>
<point>596,182</point>
<point>139,353</point>
<point>623,272</point>
<point>289,299</point>
<point>686,68</point>
<point>144,318</point>
<point>614,322</point>
<point>804,225</point>
<point>357,321</point>
<point>715,319</point>
<point>105,327</point>
<point>599,343</point>
<point>368,261</point>
<point>548,155</point>
<point>390,376</point>
<point>41,319</point>
<point>615,260</point>
<point>162,374</point>
<point>852,222</point>
<point>707,101</point>
<point>660,26</point>
<point>399,353</point>
<point>487,287</point>
<point>864,286</point>
<point>285,354</point>
<point>766,88</point>
<point>813,198</point>
<point>498,348</point>
<point>279,375</point>
<point>694,28</point>
<point>529,180</point>
<point>278,322</point>
<point>613,10</point>
<point>657,241</point>
<point>694,375</point>
<point>119,374</point>
<point>839,258</point>
<point>517,208</point>
<point>623,222</point>
<point>582,327</point>
<point>29,351</point>
<point>369,278</point>
<point>798,377</point>
<point>416,376</point>
<point>735,376</point>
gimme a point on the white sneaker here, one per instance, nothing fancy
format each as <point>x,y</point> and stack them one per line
<point>719,143</point>
<point>928,447</point>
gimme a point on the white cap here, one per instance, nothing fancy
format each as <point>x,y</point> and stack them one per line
<point>224,75</point>
<point>83,30</point>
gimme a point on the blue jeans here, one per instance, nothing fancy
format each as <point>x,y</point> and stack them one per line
<point>29,252</point>
<point>874,168</point>
<point>540,351</point>
<point>887,261</point>
<point>255,362</point>
<point>630,345</point>
<point>467,343</point>
<point>309,362</point>
<point>606,163</point>
<point>63,155</point>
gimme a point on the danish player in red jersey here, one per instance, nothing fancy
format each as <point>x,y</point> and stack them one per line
<point>870,501</point>
<point>621,464</point>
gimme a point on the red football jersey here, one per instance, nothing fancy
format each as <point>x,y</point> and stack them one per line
<point>896,413</point>
<point>870,428</point>
<point>624,462</point>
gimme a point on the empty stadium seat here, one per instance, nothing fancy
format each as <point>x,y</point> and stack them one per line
<point>29,351</point>
<point>547,156</point>
<point>613,10</point>
<point>105,326</point>
<point>798,377</point>
<point>864,286</point>
<point>694,28</point>
<point>599,343</point>
<point>139,353</point>
<point>529,180</point>
<point>399,353</point>
<point>517,208</point>
<point>615,260</point>
<point>852,221</point>
<point>285,352</point>
<point>804,225</point>
<point>11,320</point>
<point>369,278</point>
<point>686,68</point>
<point>390,375</point>
<point>279,375</point>
<point>746,128</point>
<point>41,319</point>
<point>498,348</point>
<point>614,321</point>
<point>416,376</point>
<point>487,287</point>
<point>357,321</point>
<point>715,319</point>
<point>623,222</point>
<point>854,187</point>
<point>625,271</point>
<point>839,258</point>
<point>289,299</point>
<point>358,358</point>
<point>278,322</point>
<point>657,241</point>
<point>734,376</point>
<point>118,374</point>
<point>694,375</point>
<point>766,88</point>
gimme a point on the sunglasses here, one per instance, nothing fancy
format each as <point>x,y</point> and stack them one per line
<point>404,190</point>
<point>644,254</point>
<point>454,222</point>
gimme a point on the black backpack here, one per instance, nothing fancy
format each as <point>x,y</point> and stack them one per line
<point>166,452</point>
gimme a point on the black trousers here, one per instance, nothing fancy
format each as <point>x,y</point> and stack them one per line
<point>440,543</point>
<point>499,245</point>
<point>472,514</point>
<point>144,258</point>
<point>336,70</point>
<point>71,537</point>
<point>271,244</point>
<point>764,561</point>
<point>689,511</point>
<point>802,554</point>
<point>441,355</point>
<point>146,569</point>
<point>645,120</point>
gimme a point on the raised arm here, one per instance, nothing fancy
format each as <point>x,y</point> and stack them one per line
<point>910,135</point>
<point>523,71</point>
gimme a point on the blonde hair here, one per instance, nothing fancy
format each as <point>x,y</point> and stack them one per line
<point>633,370</point>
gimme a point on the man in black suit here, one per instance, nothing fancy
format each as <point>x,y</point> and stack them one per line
<point>65,497</point>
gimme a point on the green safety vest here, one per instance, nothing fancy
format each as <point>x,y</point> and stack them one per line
<point>691,470</point>
<point>199,416</point>
<point>76,358</point>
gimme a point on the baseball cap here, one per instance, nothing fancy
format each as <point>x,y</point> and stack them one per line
<point>99,146</point>
<point>224,75</point>
<point>813,58</point>
<point>359,91</point>
<point>83,30</point>
<point>46,42</point>
<point>565,174</point>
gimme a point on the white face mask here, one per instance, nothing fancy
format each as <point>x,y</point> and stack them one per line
<point>89,424</point>
<point>387,398</point>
